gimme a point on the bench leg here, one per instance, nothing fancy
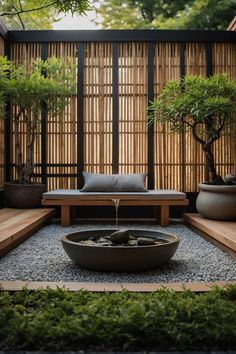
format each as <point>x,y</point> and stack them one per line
<point>65,215</point>
<point>164,215</point>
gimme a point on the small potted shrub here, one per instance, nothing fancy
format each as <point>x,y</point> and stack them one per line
<point>206,106</point>
<point>41,89</point>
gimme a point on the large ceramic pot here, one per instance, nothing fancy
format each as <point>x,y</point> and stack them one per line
<point>23,196</point>
<point>217,202</point>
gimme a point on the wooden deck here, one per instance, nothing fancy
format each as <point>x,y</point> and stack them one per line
<point>113,287</point>
<point>18,224</point>
<point>220,233</point>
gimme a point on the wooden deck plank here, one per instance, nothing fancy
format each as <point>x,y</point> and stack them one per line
<point>221,231</point>
<point>15,223</point>
<point>7,213</point>
<point>20,224</point>
<point>113,287</point>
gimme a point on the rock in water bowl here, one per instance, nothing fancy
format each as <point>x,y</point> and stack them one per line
<point>143,250</point>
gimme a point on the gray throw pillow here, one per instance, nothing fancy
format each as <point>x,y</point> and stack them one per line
<point>96,182</point>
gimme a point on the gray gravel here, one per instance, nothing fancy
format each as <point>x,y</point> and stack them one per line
<point>42,258</point>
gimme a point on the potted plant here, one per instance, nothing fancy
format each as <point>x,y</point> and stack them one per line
<point>206,107</point>
<point>39,90</point>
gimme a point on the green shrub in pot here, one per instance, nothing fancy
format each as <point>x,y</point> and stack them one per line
<point>35,92</point>
<point>206,106</point>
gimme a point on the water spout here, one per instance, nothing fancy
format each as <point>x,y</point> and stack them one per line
<point>116,203</point>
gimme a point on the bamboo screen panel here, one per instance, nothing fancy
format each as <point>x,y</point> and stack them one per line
<point>26,54</point>
<point>98,108</point>
<point>133,107</point>
<point>62,131</point>
<point>2,148</point>
<point>178,159</point>
<point>193,160</point>
<point>224,61</point>
<point>167,147</point>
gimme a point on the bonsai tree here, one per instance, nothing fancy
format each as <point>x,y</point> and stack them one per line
<point>204,105</point>
<point>35,91</point>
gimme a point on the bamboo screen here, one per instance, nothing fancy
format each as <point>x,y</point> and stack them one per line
<point>133,107</point>
<point>98,108</point>
<point>224,61</point>
<point>178,160</point>
<point>167,147</point>
<point>2,148</point>
<point>62,133</point>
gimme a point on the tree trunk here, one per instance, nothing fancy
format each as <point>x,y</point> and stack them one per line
<point>18,153</point>
<point>214,178</point>
<point>29,164</point>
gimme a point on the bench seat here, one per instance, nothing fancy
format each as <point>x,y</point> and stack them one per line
<point>163,199</point>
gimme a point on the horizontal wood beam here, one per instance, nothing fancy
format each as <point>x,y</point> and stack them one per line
<point>120,36</point>
<point>114,287</point>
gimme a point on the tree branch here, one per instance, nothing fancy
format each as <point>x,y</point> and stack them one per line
<point>18,12</point>
<point>196,137</point>
<point>18,15</point>
<point>217,133</point>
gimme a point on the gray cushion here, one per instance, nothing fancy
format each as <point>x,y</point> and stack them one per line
<point>96,182</point>
<point>161,194</point>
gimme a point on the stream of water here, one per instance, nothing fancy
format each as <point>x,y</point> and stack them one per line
<point>116,204</point>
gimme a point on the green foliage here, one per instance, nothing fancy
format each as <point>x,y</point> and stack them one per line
<point>118,14</point>
<point>204,105</point>
<point>139,14</point>
<point>5,66</point>
<point>202,14</point>
<point>60,320</point>
<point>47,81</point>
<point>164,14</point>
<point>40,14</point>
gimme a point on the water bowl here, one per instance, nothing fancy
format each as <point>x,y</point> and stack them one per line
<point>120,258</point>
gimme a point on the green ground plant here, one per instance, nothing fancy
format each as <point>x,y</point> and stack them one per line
<point>62,320</point>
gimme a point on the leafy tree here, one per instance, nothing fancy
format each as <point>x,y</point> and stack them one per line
<point>43,87</point>
<point>204,105</point>
<point>130,14</point>
<point>40,14</point>
<point>166,14</point>
<point>203,14</point>
<point>118,14</point>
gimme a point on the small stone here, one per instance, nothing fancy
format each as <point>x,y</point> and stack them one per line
<point>88,243</point>
<point>106,243</point>
<point>102,240</point>
<point>143,241</point>
<point>230,178</point>
<point>132,242</point>
<point>118,237</point>
<point>132,237</point>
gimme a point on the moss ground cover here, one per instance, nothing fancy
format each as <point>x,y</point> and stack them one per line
<point>62,320</point>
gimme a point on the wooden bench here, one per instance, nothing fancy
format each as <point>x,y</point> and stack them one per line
<point>66,198</point>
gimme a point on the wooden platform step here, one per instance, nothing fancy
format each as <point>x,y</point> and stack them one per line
<point>113,287</point>
<point>220,233</point>
<point>18,224</point>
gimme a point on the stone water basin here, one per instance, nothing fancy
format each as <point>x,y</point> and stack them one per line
<point>120,257</point>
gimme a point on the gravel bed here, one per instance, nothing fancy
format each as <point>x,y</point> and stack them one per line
<point>42,258</point>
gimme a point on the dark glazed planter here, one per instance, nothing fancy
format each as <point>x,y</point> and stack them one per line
<point>217,202</point>
<point>120,258</point>
<point>23,196</point>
